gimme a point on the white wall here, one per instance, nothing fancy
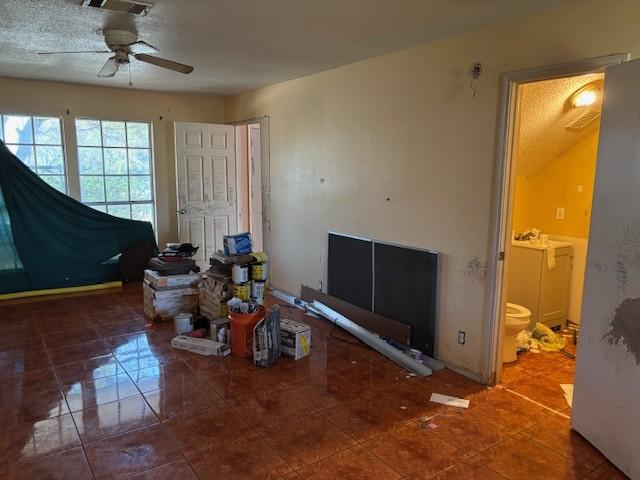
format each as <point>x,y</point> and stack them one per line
<point>162,109</point>
<point>396,148</point>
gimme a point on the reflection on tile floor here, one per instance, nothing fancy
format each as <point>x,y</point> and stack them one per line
<point>90,389</point>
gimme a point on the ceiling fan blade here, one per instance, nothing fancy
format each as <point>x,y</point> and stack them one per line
<point>141,47</point>
<point>88,51</point>
<point>109,69</point>
<point>161,62</point>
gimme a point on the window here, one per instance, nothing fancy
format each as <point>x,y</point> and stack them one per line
<point>115,166</point>
<point>37,141</point>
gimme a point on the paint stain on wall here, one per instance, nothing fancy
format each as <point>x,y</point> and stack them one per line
<point>476,269</point>
<point>625,327</point>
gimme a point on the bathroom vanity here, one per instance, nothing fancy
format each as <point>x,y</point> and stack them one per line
<point>540,283</point>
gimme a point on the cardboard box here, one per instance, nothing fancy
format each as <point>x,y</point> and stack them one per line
<point>160,282</point>
<point>203,346</point>
<point>295,339</point>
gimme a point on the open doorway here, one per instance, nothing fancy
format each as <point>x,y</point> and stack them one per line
<point>545,179</point>
<point>554,165</point>
<point>249,181</point>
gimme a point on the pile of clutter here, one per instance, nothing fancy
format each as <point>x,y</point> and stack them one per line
<point>171,283</point>
<point>221,311</point>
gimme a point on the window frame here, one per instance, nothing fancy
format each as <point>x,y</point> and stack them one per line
<point>34,144</point>
<point>104,175</point>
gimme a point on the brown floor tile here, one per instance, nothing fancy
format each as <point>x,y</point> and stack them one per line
<point>27,440</point>
<point>71,337</point>
<point>606,471</point>
<point>133,452</point>
<point>352,464</point>
<point>556,433</point>
<point>66,465</point>
<point>189,398</point>
<point>414,452</point>
<point>96,368</point>
<point>133,325</point>
<point>79,352</point>
<point>150,357</point>
<point>90,393</point>
<point>163,376</point>
<point>509,410</point>
<point>208,428</point>
<point>242,459</point>
<point>268,406</point>
<point>14,362</point>
<point>464,471</point>
<point>469,431</point>
<point>519,457</point>
<point>179,470</point>
<point>113,418</point>
<point>304,438</point>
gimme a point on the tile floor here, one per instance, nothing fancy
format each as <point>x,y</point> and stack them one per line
<point>89,389</point>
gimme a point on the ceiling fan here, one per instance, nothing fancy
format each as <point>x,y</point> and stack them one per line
<point>124,44</point>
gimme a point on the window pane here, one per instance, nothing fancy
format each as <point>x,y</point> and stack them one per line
<point>24,153</point>
<point>119,210</point>
<point>140,186</point>
<point>88,133</point>
<point>139,161</point>
<point>91,188</point>
<point>90,160</point>
<point>138,135</point>
<point>56,181</point>
<point>117,189</point>
<point>17,129</point>
<point>113,134</point>
<point>47,130</point>
<point>49,159</point>
<point>100,208</point>
<point>142,212</point>
<point>115,161</point>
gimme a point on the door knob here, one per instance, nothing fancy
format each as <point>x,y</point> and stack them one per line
<point>182,211</point>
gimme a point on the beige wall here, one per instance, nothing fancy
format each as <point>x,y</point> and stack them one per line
<point>69,101</point>
<point>396,148</point>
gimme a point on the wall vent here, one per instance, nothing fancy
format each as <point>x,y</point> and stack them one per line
<point>583,119</point>
<point>133,7</point>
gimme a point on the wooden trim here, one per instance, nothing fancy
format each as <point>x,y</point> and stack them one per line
<point>373,322</point>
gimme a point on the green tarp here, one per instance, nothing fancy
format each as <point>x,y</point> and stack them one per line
<point>59,242</point>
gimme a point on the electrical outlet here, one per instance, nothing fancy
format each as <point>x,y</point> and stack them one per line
<point>560,213</point>
<point>461,337</point>
<point>320,285</point>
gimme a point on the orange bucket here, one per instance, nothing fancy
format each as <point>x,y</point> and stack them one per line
<point>242,332</point>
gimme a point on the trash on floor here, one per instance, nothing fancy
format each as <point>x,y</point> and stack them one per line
<point>567,388</point>
<point>203,346</point>
<point>450,401</point>
<point>266,339</point>
<point>295,339</point>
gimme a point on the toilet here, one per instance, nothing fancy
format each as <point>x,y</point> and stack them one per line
<point>517,318</point>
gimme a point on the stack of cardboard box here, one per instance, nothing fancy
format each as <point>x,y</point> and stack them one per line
<point>165,296</point>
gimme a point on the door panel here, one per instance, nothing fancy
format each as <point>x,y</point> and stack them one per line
<point>206,175</point>
<point>607,384</point>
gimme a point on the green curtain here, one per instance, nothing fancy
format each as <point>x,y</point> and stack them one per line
<point>59,242</point>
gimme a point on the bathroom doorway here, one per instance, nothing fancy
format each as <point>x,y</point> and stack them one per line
<point>545,176</point>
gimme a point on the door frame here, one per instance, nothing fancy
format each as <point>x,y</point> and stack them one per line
<point>502,198</point>
<point>265,161</point>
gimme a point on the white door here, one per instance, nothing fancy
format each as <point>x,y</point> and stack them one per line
<point>607,384</point>
<point>206,174</point>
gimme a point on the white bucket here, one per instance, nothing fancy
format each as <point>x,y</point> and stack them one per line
<point>183,323</point>
<point>240,273</point>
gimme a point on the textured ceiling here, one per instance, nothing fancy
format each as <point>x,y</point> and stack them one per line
<point>233,45</point>
<point>544,115</point>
